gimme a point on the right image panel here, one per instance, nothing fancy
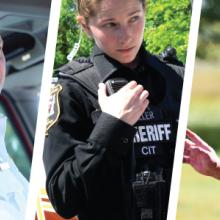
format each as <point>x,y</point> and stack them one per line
<point>199,196</point>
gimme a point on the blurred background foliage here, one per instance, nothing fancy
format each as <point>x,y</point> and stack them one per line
<point>199,195</point>
<point>204,115</point>
<point>167,23</point>
<point>209,41</point>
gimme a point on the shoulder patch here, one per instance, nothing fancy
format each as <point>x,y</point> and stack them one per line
<point>53,107</point>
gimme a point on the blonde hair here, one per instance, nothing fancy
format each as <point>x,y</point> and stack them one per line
<point>87,8</point>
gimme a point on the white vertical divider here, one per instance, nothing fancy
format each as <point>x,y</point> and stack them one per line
<point>189,70</point>
<point>37,178</point>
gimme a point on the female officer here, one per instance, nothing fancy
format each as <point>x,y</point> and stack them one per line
<point>102,152</point>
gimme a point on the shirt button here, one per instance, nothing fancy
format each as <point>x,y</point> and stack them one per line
<point>125,140</point>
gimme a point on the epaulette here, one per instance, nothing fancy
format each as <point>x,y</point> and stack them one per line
<point>84,60</point>
<point>75,66</point>
<point>82,71</point>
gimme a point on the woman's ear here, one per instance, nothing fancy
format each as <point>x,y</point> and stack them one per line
<point>81,20</point>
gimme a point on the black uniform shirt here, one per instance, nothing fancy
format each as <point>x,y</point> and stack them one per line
<point>88,161</point>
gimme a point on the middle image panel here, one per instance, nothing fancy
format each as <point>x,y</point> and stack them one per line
<point>114,108</point>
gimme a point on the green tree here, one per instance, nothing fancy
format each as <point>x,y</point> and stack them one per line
<point>167,23</point>
<point>68,34</point>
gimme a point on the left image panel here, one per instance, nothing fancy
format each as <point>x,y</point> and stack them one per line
<point>23,33</point>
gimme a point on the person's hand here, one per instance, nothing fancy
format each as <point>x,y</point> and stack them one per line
<point>201,156</point>
<point>128,104</point>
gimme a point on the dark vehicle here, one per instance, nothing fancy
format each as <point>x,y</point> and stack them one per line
<point>23,27</point>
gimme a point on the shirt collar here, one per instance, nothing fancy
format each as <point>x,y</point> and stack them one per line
<point>106,66</point>
<point>2,125</point>
<point>3,152</point>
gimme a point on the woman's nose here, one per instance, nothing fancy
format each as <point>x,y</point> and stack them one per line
<point>124,34</point>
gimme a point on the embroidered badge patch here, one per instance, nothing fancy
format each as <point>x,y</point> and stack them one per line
<point>54,107</point>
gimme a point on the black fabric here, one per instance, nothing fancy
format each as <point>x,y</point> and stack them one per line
<point>87,153</point>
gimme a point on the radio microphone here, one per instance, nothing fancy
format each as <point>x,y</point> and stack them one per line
<point>75,49</point>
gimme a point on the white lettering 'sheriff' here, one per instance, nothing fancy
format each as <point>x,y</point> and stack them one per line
<point>153,133</point>
<point>153,139</point>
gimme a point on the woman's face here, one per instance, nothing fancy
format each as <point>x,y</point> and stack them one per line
<point>118,28</point>
<point>2,65</point>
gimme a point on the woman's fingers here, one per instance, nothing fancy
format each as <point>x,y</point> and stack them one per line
<point>187,147</point>
<point>144,95</point>
<point>128,86</point>
<point>186,159</point>
<point>131,102</point>
<point>197,140</point>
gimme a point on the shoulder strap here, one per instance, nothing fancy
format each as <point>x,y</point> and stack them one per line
<point>160,65</point>
<point>82,72</point>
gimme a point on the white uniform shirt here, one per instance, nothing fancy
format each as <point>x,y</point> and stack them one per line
<point>13,186</point>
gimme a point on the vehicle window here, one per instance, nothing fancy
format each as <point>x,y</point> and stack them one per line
<point>15,146</point>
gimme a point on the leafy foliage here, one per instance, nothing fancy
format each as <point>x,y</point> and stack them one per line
<point>68,34</point>
<point>167,23</point>
<point>209,34</point>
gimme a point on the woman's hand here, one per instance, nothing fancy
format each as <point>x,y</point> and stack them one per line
<point>128,104</point>
<point>201,156</point>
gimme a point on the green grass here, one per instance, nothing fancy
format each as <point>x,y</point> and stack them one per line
<point>199,196</point>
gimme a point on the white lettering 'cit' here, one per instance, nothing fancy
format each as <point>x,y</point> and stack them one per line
<point>150,150</point>
<point>158,132</point>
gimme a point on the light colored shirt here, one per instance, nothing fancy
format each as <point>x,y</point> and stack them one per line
<point>13,186</point>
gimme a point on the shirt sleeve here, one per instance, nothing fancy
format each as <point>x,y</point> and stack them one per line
<point>80,157</point>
